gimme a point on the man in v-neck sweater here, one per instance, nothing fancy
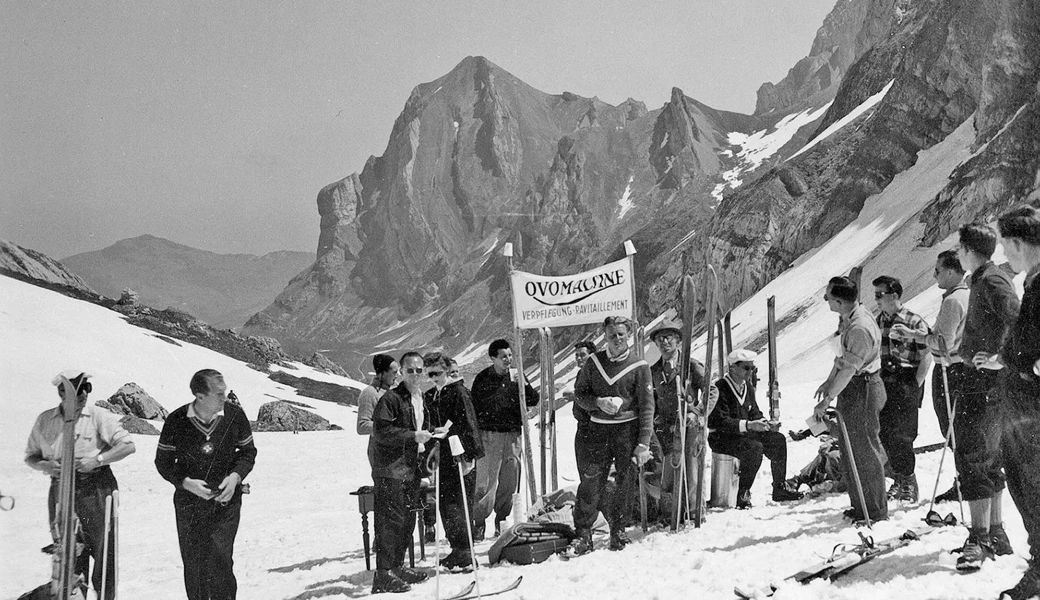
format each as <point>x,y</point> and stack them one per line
<point>616,390</point>
<point>205,450</point>
<point>739,429</point>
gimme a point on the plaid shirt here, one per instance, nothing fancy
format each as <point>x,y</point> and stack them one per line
<point>901,352</point>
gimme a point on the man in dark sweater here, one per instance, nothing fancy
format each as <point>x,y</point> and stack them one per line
<point>449,402</point>
<point>1019,410</point>
<point>400,430</point>
<point>496,398</point>
<point>992,308</point>
<point>616,390</point>
<point>739,429</point>
<point>205,450</point>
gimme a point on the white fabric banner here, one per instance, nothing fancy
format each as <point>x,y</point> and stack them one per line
<point>578,299</point>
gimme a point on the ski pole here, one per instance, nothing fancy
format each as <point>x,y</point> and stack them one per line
<point>104,546</point>
<point>457,451</point>
<point>437,517</point>
<point>853,468</point>
<point>951,415</point>
<point>642,497</point>
<point>115,544</point>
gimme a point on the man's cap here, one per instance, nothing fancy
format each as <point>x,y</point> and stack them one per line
<point>666,327</point>
<point>741,355</point>
<point>75,376</point>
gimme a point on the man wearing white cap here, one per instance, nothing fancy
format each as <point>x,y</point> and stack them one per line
<point>739,429</point>
<point>100,441</point>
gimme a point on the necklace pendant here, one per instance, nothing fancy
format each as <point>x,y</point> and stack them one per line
<point>207,448</point>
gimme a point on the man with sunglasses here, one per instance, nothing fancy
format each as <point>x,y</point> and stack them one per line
<point>666,373</point>
<point>739,429</point>
<point>496,398</point>
<point>400,430</point>
<point>100,441</point>
<point>448,402</point>
<point>949,328</point>
<point>904,366</point>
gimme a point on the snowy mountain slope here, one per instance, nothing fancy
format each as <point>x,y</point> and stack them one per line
<point>300,534</point>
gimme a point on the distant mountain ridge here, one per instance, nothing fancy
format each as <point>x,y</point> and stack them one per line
<point>222,290</point>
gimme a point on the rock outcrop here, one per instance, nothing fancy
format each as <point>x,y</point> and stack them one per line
<point>131,399</point>
<point>283,416</point>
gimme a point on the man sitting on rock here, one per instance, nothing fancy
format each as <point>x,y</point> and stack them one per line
<point>738,428</point>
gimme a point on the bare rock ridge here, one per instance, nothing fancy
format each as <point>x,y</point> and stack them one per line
<point>36,265</point>
<point>478,158</point>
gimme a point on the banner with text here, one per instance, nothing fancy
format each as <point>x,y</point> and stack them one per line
<point>578,299</point>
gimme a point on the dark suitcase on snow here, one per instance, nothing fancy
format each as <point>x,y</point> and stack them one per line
<point>534,552</point>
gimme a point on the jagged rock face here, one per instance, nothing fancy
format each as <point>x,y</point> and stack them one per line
<point>36,265</point>
<point>478,158</point>
<point>320,361</point>
<point>1006,170</point>
<point>936,54</point>
<point>849,30</point>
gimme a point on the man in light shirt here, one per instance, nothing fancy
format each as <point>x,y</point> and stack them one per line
<point>100,441</point>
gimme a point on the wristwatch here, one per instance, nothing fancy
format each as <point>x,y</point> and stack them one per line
<point>100,458</point>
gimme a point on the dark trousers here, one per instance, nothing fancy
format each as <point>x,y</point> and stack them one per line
<point>749,448</point>
<point>860,405</point>
<point>206,532</point>
<point>582,444</point>
<point>394,500</point>
<point>607,445</point>
<point>91,490</point>
<point>955,375</point>
<point>976,427</point>
<point>1020,446</point>
<point>898,419</point>
<point>453,504</point>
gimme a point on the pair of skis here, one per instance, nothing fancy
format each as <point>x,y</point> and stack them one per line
<point>843,560</point>
<point>466,593</point>
<point>65,583</point>
<point>683,495</point>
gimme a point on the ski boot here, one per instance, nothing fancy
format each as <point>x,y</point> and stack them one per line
<point>998,540</point>
<point>410,575</point>
<point>386,581</point>
<point>458,558</point>
<point>478,532</point>
<point>744,500</point>
<point>908,491</point>
<point>582,544</point>
<point>783,493</point>
<point>974,552</point>
<point>619,539</point>
<point>949,495</point>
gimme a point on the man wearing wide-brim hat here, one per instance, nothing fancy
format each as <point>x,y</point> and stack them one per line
<point>666,374</point>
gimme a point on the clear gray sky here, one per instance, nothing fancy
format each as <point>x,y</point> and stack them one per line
<point>215,124</point>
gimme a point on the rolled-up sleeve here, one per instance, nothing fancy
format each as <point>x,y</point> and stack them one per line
<point>857,350</point>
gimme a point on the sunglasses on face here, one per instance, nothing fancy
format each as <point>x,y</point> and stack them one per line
<point>880,295</point>
<point>413,371</point>
<point>435,373</point>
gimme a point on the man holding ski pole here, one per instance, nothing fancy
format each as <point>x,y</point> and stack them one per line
<point>855,381</point>
<point>100,441</point>
<point>949,327</point>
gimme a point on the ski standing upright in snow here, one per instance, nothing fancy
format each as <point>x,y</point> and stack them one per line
<point>712,294</point>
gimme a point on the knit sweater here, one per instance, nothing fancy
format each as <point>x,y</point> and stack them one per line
<point>628,379</point>
<point>207,451</point>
